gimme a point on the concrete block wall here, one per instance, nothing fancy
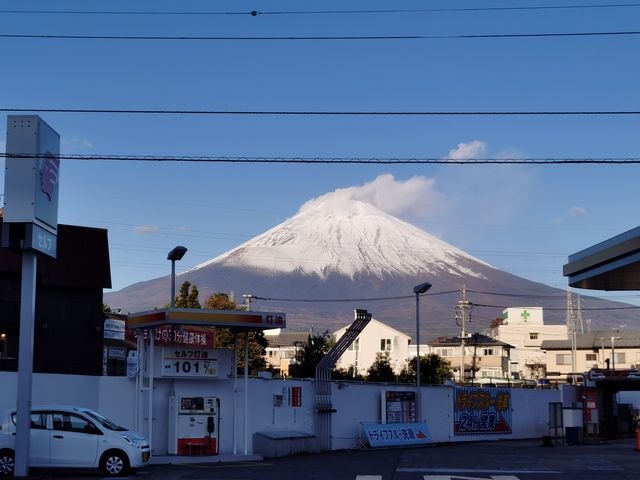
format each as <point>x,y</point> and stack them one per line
<point>355,403</point>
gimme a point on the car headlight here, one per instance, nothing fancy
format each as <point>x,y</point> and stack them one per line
<point>134,442</point>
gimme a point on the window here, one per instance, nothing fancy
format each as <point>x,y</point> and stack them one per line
<point>488,351</point>
<point>38,420</point>
<point>354,346</point>
<point>563,359</point>
<point>591,357</point>
<point>385,344</point>
<point>69,422</point>
<point>533,336</point>
<point>446,352</point>
<point>620,358</point>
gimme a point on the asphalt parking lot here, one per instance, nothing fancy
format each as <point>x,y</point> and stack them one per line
<point>503,460</point>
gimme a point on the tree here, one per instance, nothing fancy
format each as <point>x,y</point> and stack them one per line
<point>348,373</point>
<point>312,351</point>
<point>496,322</point>
<point>220,301</point>
<point>381,369</point>
<point>225,336</point>
<point>188,296</point>
<point>433,370</point>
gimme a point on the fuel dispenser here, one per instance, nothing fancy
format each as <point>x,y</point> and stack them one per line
<point>193,425</point>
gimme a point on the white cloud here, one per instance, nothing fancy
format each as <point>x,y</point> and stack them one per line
<point>415,198</point>
<point>577,212</point>
<point>480,194</point>
<point>468,150</point>
<point>146,229</point>
<point>75,145</point>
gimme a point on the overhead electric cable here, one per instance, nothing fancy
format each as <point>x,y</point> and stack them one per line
<point>254,13</point>
<point>561,309</point>
<point>378,113</point>
<point>340,300</point>
<point>317,37</point>
<point>338,160</point>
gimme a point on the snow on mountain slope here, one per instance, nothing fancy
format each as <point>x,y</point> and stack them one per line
<point>349,239</point>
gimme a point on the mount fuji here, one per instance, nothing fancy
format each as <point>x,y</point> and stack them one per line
<point>335,256</point>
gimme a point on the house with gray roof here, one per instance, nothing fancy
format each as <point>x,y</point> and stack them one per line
<point>609,349</point>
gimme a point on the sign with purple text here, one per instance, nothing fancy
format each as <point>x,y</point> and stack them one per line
<point>481,411</point>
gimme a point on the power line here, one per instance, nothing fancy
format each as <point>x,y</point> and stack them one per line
<point>255,13</point>
<point>341,160</point>
<point>343,300</point>
<point>319,37</point>
<point>561,309</point>
<point>330,112</point>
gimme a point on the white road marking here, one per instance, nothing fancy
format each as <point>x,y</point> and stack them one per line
<point>368,477</point>
<point>458,477</point>
<point>450,471</point>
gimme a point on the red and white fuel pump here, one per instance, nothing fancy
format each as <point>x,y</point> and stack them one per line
<point>193,425</point>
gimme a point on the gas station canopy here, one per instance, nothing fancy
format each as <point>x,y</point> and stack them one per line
<point>610,265</point>
<point>208,318</point>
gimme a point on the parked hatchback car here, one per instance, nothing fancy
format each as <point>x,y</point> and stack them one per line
<point>66,436</point>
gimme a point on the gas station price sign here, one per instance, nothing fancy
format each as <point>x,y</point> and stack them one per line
<point>187,362</point>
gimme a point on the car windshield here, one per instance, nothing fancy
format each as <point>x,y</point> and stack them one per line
<point>105,422</point>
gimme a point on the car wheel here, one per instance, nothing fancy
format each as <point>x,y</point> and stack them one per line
<point>7,463</point>
<point>114,463</point>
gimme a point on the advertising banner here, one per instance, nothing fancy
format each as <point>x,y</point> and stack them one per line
<point>395,434</point>
<point>481,411</point>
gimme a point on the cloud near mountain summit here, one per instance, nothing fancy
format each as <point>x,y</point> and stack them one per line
<point>416,197</point>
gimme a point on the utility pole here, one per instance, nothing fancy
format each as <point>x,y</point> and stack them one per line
<point>463,305</point>
<point>571,328</point>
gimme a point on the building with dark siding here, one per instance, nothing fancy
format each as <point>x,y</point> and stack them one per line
<point>68,330</point>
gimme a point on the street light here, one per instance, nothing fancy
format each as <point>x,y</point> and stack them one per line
<point>418,289</point>
<point>174,255</point>
<point>3,338</point>
<point>613,350</point>
<point>613,353</point>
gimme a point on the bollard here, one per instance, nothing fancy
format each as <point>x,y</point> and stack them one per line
<point>637,449</point>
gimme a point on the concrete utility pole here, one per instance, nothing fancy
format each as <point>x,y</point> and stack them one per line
<point>463,305</point>
<point>571,328</point>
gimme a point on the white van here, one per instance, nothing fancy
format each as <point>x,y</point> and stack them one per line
<point>65,436</point>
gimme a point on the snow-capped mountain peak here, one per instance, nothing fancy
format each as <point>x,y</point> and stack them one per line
<point>347,237</point>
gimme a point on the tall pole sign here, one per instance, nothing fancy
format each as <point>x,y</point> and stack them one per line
<point>30,224</point>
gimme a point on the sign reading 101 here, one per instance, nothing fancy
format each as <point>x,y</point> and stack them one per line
<point>185,362</point>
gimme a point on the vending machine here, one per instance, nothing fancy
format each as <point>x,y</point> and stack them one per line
<point>193,425</point>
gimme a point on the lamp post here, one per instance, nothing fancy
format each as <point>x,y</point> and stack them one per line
<point>418,289</point>
<point>3,339</point>
<point>613,352</point>
<point>174,255</point>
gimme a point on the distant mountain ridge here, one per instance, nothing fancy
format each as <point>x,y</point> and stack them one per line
<point>334,251</point>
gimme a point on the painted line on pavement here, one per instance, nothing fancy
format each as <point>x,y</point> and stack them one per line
<point>471,470</point>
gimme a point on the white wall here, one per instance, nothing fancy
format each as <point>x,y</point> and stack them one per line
<point>354,402</point>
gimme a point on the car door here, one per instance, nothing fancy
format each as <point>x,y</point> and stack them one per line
<point>74,441</point>
<point>39,447</point>
<point>39,452</point>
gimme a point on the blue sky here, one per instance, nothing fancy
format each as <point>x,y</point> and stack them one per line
<point>522,219</point>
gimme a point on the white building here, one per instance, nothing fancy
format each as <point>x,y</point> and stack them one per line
<point>524,328</point>
<point>374,339</point>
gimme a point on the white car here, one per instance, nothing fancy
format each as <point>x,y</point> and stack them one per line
<point>65,436</point>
